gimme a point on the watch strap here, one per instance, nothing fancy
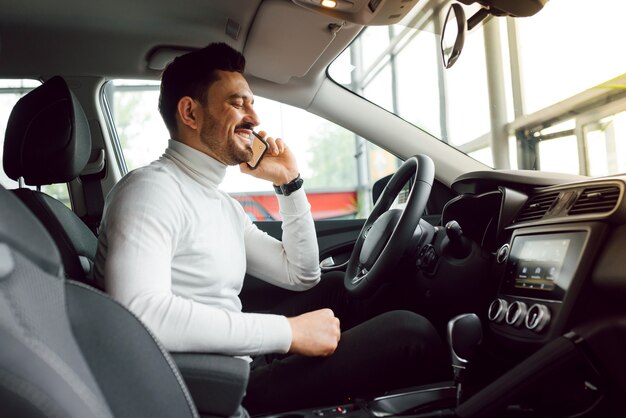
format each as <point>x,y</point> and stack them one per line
<point>288,188</point>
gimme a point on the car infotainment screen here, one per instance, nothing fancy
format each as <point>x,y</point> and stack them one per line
<point>543,265</point>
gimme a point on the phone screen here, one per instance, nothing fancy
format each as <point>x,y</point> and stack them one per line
<point>259,148</point>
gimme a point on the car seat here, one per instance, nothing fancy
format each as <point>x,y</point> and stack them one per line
<point>47,141</point>
<point>55,361</point>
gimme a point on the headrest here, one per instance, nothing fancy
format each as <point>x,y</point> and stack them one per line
<point>21,231</point>
<point>47,139</point>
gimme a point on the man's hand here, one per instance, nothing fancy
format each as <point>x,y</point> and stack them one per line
<point>315,334</point>
<point>278,165</point>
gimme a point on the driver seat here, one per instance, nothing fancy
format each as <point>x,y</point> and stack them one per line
<point>54,361</point>
<point>47,141</point>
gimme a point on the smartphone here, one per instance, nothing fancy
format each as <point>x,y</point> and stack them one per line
<point>259,148</point>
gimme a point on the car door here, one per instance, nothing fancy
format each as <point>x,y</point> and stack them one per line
<point>336,239</point>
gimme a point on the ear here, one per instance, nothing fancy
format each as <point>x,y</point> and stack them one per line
<point>188,112</point>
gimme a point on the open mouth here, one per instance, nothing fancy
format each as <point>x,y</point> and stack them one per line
<point>244,132</point>
<point>245,136</point>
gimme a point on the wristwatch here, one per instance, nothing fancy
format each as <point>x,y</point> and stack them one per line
<point>288,188</point>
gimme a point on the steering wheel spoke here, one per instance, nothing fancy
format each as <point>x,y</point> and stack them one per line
<point>360,276</point>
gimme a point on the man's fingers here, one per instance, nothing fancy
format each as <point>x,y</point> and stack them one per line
<point>272,144</point>
<point>280,144</point>
<point>243,167</point>
<point>315,333</point>
<point>276,145</point>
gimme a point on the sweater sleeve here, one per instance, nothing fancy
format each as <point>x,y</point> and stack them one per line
<point>294,262</point>
<point>140,232</point>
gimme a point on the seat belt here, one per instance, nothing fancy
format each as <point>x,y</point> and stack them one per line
<point>90,178</point>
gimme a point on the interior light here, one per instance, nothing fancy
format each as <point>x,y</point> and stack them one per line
<point>331,4</point>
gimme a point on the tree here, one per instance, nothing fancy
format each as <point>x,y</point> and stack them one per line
<point>332,159</point>
<point>141,131</point>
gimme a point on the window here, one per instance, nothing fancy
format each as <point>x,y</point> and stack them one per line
<point>467,98</point>
<point>338,167</point>
<point>414,76</point>
<point>557,148</point>
<point>559,61</point>
<point>605,141</point>
<point>10,93</point>
<point>140,129</point>
<point>398,68</point>
<point>542,70</point>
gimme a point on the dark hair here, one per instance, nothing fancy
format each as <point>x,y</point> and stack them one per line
<point>192,74</point>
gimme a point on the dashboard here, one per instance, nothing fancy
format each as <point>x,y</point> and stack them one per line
<point>553,248</point>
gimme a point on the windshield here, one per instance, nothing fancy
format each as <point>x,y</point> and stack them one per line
<point>544,92</point>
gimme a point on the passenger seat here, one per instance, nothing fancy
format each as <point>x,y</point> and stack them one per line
<point>67,349</point>
<point>47,141</point>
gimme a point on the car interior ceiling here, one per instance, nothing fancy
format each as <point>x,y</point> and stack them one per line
<point>55,362</point>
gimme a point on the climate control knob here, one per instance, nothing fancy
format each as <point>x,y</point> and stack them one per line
<point>538,317</point>
<point>497,310</point>
<point>516,313</point>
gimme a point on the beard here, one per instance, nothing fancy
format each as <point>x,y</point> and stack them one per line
<point>227,150</point>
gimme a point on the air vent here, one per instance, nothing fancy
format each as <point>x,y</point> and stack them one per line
<point>596,200</point>
<point>536,207</point>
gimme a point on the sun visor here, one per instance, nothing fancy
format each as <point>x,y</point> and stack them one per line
<point>285,33</point>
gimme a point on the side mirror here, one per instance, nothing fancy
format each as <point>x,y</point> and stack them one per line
<point>453,34</point>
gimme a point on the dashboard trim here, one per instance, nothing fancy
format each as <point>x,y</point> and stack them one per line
<point>618,213</point>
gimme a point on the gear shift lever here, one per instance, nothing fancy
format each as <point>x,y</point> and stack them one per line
<point>464,334</point>
<point>460,246</point>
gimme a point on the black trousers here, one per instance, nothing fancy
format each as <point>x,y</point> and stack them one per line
<point>377,352</point>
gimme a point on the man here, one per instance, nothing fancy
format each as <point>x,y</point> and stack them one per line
<point>174,249</point>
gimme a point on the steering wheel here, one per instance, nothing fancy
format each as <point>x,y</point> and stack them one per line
<point>387,233</point>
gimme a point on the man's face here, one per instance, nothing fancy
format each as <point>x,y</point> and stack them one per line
<point>228,119</point>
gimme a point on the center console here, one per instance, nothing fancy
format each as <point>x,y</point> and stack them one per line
<point>539,271</point>
<point>434,397</point>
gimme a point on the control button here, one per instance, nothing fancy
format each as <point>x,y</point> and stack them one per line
<point>538,317</point>
<point>516,313</point>
<point>427,259</point>
<point>497,310</point>
<point>503,253</point>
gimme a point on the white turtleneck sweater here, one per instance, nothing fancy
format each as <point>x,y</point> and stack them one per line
<point>174,249</point>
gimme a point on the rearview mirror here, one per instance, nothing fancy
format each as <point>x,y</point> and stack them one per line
<point>453,35</point>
